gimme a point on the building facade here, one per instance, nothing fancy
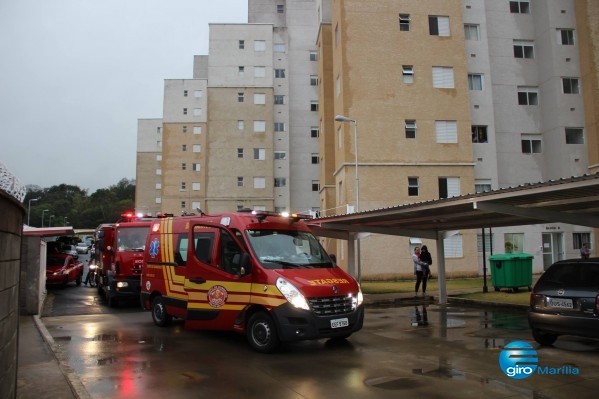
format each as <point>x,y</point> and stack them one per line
<point>333,106</point>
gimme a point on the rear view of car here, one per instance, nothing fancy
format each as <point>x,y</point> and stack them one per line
<point>565,301</point>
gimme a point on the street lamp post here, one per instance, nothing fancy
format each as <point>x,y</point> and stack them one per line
<point>43,213</point>
<point>341,118</point>
<point>29,209</point>
<point>50,223</point>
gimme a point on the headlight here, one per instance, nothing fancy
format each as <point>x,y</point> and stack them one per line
<point>357,300</point>
<point>292,294</point>
<point>122,284</point>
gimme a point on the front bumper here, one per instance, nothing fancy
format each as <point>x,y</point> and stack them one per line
<point>298,324</point>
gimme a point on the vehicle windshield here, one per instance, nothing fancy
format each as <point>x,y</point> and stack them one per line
<point>284,249</point>
<point>131,238</point>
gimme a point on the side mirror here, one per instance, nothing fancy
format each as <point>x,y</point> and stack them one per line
<point>245,264</point>
<point>333,258</point>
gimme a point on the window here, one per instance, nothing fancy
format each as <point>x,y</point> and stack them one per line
<point>259,45</point>
<point>183,129</point>
<point>279,48</point>
<point>314,106</point>
<point>195,186</point>
<point>159,157</point>
<point>513,242</point>
<point>184,111</point>
<point>581,238</point>
<point>574,135</point>
<point>472,31</point>
<point>158,186</point>
<point>410,129</point>
<point>314,132</point>
<point>184,147</point>
<point>158,200</point>
<point>404,22</point>
<point>280,155</point>
<point>338,86</point>
<point>241,70</point>
<point>528,95</point>
<point>259,154</point>
<point>183,204</point>
<point>524,49</point>
<point>315,159</point>
<point>239,181</point>
<point>280,182</point>
<point>259,182</point>
<point>197,130</point>
<point>197,112</point>
<point>241,44</point>
<point>279,73</point>
<point>531,144</point>
<point>407,73</point>
<point>279,99</point>
<point>565,37</point>
<point>183,186</point>
<point>339,137</point>
<point>479,134</point>
<point>438,26</point>
<point>453,246</point>
<point>240,153</point>
<point>570,85</point>
<point>337,35</point>
<point>519,7</point>
<point>240,97</point>
<point>259,72</point>
<point>280,8</point>
<point>449,187</point>
<point>240,125</point>
<point>196,167</point>
<point>482,186</point>
<point>159,172</point>
<point>446,132</point>
<point>185,93</point>
<point>198,93</point>
<point>313,56</point>
<point>488,243</point>
<point>197,148</point>
<point>279,127</point>
<point>313,80</point>
<point>259,98</point>
<point>183,166</point>
<point>413,186</point>
<point>475,81</point>
<point>259,126</point>
<point>443,77</point>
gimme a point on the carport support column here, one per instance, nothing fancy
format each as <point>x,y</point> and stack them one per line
<point>351,254</point>
<point>441,268</point>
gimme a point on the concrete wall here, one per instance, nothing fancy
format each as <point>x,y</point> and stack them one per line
<point>11,225</point>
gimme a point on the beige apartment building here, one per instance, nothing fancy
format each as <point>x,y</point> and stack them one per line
<point>445,97</point>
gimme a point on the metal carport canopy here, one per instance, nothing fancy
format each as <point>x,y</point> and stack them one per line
<point>573,200</point>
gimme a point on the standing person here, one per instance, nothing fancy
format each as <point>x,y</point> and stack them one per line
<point>585,252</point>
<point>419,269</point>
<point>425,256</point>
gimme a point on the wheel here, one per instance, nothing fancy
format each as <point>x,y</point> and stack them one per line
<point>159,315</point>
<point>92,280</point>
<point>496,288</point>
<point>545,339</point>
<point>262,333</point>
<point>78,280</point>
<point>112,301</point>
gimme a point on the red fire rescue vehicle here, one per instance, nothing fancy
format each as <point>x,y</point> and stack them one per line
<point>119,256</point>
<point>256,273</point>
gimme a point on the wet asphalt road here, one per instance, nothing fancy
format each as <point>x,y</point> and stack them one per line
<point>447,352</point>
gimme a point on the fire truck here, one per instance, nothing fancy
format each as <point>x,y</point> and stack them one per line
<point>258,273</point>
<point>119,256</point>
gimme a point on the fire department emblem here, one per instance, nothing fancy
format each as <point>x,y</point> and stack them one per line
<point>217,296</point>
<point>154,245</point>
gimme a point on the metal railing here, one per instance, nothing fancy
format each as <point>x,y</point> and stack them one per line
<point>10,184</point>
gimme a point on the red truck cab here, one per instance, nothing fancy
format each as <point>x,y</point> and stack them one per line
<point>119,255</point>
<point>256,273</point>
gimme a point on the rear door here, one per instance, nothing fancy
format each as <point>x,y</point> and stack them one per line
<point>216,291</point>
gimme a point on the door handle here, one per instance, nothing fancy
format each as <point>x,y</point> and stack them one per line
<point>198,280</point>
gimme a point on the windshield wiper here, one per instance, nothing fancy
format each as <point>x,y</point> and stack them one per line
<point>283,263</point>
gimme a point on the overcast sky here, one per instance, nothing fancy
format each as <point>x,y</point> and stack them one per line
<point>76,75</point>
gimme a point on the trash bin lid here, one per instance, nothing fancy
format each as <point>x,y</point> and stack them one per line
<point>510,256</point>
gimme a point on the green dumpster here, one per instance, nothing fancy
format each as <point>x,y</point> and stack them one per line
<point>511,271</point>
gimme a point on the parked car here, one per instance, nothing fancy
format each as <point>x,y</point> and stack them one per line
<point>70,250</point>
<point>82,247</point>
<point>62,269</point>
<point>565,301</point>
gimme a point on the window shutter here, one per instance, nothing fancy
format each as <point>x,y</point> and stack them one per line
<point>443,78</point>
<point>447,131</point>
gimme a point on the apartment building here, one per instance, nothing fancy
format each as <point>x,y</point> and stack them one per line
<point>148,168</point>
<point>444,97</point>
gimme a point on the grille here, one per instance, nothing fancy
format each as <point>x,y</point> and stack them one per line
<point>330,306</point>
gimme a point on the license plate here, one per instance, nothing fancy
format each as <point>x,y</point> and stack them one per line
<point>336,323</point>
<point>559,303</point>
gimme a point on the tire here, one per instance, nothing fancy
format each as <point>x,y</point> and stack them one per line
<point>92,280</point>
<point>545,339</point>
<point>262,333</point>
<point>111,300</point>
<point>159,314</point>
<point>78,280</point>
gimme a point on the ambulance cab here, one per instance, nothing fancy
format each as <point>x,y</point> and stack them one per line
<point>257,273</point>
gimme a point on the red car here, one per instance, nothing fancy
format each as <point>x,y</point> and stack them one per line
<point>61,269</point>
